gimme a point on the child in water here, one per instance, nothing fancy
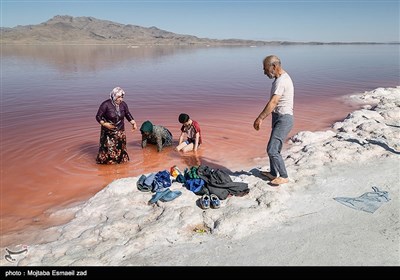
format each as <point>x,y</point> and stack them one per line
<point>191,130</point>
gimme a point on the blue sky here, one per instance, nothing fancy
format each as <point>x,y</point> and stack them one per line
<point>290,20</point>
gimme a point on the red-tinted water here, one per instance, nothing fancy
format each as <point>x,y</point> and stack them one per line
<point>41,174</point>
<point>49,137</point>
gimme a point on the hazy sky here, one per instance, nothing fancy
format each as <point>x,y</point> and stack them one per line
<point>290,20</point>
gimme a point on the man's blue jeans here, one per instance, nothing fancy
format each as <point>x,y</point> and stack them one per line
<point>281,126</point>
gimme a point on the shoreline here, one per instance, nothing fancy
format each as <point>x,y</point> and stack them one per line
<point>71,190</point>
<point>117,227</point>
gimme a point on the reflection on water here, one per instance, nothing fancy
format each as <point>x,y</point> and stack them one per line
<point>50,95</point>
<point>72,58</point>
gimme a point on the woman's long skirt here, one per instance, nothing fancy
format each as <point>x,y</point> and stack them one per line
<point>112,148</point>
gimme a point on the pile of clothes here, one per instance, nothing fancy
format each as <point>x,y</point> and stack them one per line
<point>206,180</point>
<point>212,184</point>
<point>158,183</point>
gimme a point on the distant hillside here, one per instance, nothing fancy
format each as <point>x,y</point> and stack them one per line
<point>89,30</point>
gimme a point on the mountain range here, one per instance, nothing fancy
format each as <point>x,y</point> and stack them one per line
<point>89,30</point>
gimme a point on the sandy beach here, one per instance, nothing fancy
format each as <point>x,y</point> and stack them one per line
<point>301,223</point>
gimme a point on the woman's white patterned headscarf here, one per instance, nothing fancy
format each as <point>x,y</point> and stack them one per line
<point>114,94</point>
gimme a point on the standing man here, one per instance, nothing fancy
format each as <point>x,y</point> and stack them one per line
<point>280,105</point>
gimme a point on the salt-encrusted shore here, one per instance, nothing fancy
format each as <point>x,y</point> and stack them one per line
<point>298,223</point>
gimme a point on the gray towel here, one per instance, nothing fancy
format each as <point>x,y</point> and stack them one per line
<point>368,202</point>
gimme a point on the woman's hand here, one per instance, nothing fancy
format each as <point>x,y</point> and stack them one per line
<point>108,125</point>
<point>134,126</point>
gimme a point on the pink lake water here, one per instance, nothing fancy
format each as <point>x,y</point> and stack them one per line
<point>50,95</point>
